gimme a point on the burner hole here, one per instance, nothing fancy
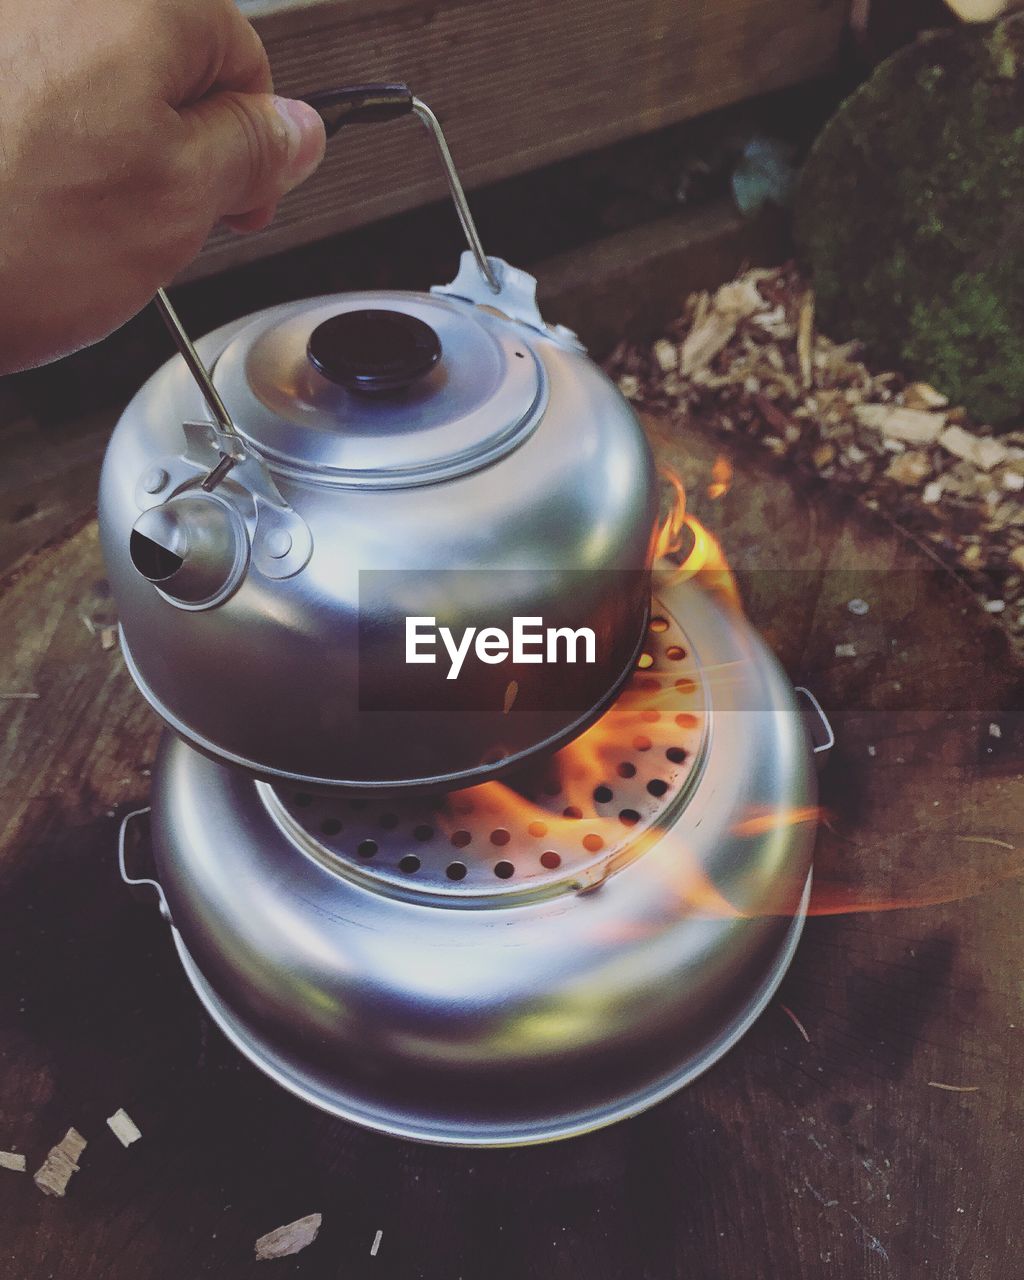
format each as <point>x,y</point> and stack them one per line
<point>409,864</point>
<point>650,716</point>
<point>330,826</point>
<point>686,721</point>
<point>455,871</point>
<point>675,653</point>
<point>645,660</point>
<point>500,837</point>
<point>641,742</point>
<point>676,754</point>
<point>423,832</point>
<point>366,848</point>
<point>570,811</point>
<point>302,798</point>
<point>537,829</point>
<point>504,870</point>
<point>388,821</point>
<point>659,625</point>
<point>593,843</point>
<point>686,686</point>
<point>602,794</point>
<point>629,817</point>
<point>553,786</point>
<point>550,860</point>
<point>626,770</point>
<point>657,787</point>
<point>460,839</point>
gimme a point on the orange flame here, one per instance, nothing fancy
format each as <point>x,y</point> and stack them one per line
<point>721,479</point>
<point>705,556</point>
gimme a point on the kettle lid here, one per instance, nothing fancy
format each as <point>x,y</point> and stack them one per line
<point>381,389</point>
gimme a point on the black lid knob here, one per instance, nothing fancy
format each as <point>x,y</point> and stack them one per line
<point>373,350</point>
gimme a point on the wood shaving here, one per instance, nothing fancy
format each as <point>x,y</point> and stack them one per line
<point>12,1160</point>
<point>795,1021</point>
<point>805,340</point>
<point>376,1243</point>
<point>912,426</point>
<point>289,1239</point>
<point>511,693</point>
<point>53,1176</point>
<point>753,364</point>
<point>954,1088</point>
<point>124,1127</point>
<point>998,844</point>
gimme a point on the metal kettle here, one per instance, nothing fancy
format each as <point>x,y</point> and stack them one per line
<point>276,506</point>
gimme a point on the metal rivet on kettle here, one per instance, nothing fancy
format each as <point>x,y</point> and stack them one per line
<point>277,543</point>
<point>155,479</point>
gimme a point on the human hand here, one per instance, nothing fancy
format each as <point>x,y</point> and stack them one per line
<point>127,132</point>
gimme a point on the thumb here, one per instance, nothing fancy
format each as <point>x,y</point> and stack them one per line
<point>251,148</point>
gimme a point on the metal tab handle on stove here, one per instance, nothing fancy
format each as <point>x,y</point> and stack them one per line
<point>137,882</point>
<point>374,103</point>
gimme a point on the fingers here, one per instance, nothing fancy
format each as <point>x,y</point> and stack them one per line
<point>244,67</point>
<point>247,149</point>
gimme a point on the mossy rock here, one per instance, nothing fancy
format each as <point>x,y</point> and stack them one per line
<point>910,216</point>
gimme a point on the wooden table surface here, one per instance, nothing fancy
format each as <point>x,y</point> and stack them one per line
<point>832,1156</point>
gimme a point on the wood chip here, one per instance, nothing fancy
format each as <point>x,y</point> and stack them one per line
<point>124,1127</point>
<point>919,395</point>
<point>909,468</point>
<point>705,341</point>
<point>712,332</point>
<point>954,1088</point>
<point>12,1160</point>
<point>53,1176</point>
<point>511,693</point>
<point>376,1243</point>
<point>667,355</point>
<point>289,1239</point>
<point>805,340</point>
<point>984,452</point>
<point>912,426</point>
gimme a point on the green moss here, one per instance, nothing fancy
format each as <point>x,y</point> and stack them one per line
<point>910,214</point>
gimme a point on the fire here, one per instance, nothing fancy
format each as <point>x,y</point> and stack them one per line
<point>721,479</point>
<point>703,554</point>
<point>602,800</point>
<point>575,813</point>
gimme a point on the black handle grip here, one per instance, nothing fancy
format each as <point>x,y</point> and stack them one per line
<point>361,104</point>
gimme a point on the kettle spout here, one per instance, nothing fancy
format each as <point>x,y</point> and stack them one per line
<point>194,549</point>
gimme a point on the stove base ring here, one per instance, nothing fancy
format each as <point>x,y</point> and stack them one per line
<point>303,1086</point>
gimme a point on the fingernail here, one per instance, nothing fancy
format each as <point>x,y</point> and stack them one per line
<point>306,139</point>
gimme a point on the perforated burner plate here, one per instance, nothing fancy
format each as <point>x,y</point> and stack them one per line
<point>588,808</point>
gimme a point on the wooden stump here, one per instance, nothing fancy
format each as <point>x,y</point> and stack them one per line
<point>836,1155</point>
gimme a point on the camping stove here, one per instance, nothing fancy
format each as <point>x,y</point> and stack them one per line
<point>527,959</point>
<point>490,910</point>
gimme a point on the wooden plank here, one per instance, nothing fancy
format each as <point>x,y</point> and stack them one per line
<point>516,85</point>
